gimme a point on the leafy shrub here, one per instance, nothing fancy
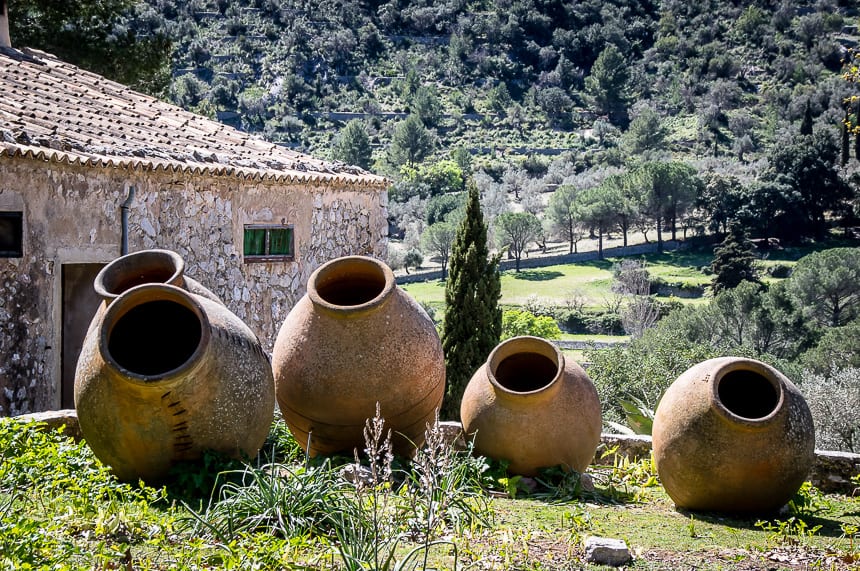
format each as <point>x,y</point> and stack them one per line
<point>643,369</point>
<point>413,259</point>
<point>520,322</point>
<point>837,349</point>
<point>572,321</point>
<point>604,324</point>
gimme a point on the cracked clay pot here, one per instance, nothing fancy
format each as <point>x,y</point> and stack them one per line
<point>165,374</point>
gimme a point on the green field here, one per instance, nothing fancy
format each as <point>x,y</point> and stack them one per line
<point>555,285</point>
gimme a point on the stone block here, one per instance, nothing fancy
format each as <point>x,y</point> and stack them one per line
<point>606,551</point>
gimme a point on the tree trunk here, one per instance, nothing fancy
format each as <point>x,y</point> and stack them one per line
<point>600,243</point>
<point>570,233</point>
<point>659,235</point>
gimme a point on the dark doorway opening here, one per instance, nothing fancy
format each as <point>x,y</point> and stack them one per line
<point>80,303</point>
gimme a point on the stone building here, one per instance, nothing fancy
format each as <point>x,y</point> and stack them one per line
<point>86,163</point>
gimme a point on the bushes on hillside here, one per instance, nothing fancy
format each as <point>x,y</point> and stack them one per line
<point>835,404</point>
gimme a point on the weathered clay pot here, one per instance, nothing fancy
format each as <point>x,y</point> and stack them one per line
<point>734,435</point>
<point>353,340</point>
<point>146,267</point>
<point>165,374</point>
<point>531,406</point>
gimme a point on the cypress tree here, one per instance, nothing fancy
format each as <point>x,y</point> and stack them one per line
<point>473,318</point>
<point>734,261</point>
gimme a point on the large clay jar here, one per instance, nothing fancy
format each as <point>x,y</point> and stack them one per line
<point>146,267</point>
<point>533,407</point>
<point>733,435</point>
<point>353,340</point>
<point>165,374</point>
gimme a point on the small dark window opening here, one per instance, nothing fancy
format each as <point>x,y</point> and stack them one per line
<point>266,243</point>
<point>11,234</point>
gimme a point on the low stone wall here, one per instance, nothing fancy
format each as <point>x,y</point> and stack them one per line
<point>831,472</point>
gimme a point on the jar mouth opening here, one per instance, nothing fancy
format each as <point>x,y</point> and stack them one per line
<point>525,365</point>
<point>748,391</point>
<point>154,332</point>
<point>351,284</point>
<point>137,268</point>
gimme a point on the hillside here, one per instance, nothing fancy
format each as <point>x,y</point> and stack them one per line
<point>513,77</point>
<point>689,116</point>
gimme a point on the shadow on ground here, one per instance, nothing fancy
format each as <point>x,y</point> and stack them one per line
<point>538,275</point>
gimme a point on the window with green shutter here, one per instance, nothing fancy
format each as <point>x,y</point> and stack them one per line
<point>268,243</point>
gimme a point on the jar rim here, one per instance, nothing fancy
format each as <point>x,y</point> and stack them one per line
<point>772,377</point>
<point>351,273</point>
<point>136,268</point>
<point>134,298</point>
<point>520,345</point>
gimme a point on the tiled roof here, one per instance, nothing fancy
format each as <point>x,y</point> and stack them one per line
<point>52,110</point>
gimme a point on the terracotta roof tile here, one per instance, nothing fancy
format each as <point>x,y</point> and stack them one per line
<point>51,110</point>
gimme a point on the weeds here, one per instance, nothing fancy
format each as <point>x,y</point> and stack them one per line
<point>792,531</point>
<point>625,480</point>
<point>275,498</point>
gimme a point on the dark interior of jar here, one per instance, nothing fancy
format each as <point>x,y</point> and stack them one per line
<point>353,289</point>
<point>748,394</point>
<point>154,338</point>
<point>525,372</point>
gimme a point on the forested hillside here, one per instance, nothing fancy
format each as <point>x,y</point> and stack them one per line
<point>583,118</point>
<point>684,114</point>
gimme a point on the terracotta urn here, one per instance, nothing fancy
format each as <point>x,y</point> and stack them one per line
<point>733,435</point>
<point>146,267</point>
<point>165,374</point>
<point>532,406</point>
<point>355,339</point>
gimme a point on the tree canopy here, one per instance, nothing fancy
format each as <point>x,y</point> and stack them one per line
<point>352,145</point>
<point>827,285</point>
<point>124,40</point>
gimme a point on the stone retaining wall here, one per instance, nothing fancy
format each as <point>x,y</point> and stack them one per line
<point>831,472</point>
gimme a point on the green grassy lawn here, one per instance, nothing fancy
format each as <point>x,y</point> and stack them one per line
<point>591,280</point>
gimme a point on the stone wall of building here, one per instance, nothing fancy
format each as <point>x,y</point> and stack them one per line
<point>72,215</point>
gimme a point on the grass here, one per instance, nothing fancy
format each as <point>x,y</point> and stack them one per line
<point>61,509</point>
<point>591,280</point>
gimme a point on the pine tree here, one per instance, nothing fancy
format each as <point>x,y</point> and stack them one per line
<point>352,145</point>
<point>410,143</point>
<point>473,319</point>
<point>734,261</point>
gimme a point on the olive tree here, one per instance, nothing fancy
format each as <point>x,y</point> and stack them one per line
<point>517,230</point>
<point>437,240</point>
